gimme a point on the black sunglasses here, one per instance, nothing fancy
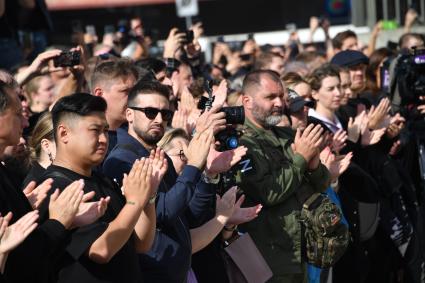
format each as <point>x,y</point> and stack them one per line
<point>152,112</point>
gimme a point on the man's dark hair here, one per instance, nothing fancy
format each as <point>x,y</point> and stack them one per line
<point>338,40</point>
<point>76,105</point>
<point>147,87</point>
<point>146,75</point>
<point>316,78</point>
<point>254,79</point>
<point>113,69</point>
<point>152,64</point>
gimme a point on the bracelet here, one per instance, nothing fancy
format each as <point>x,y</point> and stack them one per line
<point>230,229</point>
<point>130,202</point>
<point>152,199</point>
<point>209,180</point>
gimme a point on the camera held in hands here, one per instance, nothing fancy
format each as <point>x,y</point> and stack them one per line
<point>67,59</point>
<point>229,137</point>
<point>188,38</point>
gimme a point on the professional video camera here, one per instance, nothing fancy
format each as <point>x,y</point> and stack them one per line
<point>229,137</point>
<point>408,82</point>
<point>406,85</point>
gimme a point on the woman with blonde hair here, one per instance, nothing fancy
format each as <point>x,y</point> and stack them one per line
<point>41,94</point>
<point>43,147</point>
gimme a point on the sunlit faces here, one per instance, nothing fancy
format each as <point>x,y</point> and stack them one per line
<point>45,94</point>
<point>267,104</point>
<point>277,64</point>
<point>303,89</point>
<point>358,77</point>
<point>185,76</point>
<point>11,120</point>
<point>86,138</point>
<point>329,95</point>
<point>346,92</point>
<point>161,76</point>
<point>350,43</point>
<point>148,131</point>
<point>116,96</point>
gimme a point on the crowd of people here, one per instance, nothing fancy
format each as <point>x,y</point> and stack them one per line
<point>115,169</point>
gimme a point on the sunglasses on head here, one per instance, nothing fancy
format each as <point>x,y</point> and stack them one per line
<point>152,112</point>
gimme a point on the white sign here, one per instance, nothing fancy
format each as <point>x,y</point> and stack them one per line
<point>187,8</point>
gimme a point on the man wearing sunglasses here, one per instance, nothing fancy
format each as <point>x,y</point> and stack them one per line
<point>182,201</point>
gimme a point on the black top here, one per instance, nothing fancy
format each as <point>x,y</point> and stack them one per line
<point>28,262</point>
<point>34,174</point>
<point>73,265</point>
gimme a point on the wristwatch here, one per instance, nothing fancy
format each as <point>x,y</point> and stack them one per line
<point>209,180</point>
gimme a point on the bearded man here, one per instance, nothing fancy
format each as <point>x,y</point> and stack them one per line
<point>281,169</point>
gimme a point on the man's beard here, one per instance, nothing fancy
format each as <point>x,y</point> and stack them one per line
<point>148,138</point>
<point>266,119</point>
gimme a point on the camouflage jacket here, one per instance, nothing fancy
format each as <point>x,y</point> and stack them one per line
<point>279,180</point>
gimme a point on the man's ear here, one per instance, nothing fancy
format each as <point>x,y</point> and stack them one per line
<point>129,114</point>
<point>63,133</point>
<point>247,101</point>
<point>97,91</point>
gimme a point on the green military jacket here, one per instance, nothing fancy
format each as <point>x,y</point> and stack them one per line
<point>279,180</point>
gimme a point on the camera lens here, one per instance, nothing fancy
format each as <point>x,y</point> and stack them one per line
<point>232,142</point>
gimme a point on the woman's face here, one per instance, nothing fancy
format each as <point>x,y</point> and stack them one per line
<point>329,94</point>
<point>175,152</point>
<point>45,93</point>
<point>346,92</point>
<point>303,89</point>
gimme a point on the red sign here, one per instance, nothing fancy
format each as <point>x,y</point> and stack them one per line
<point>84,4</point>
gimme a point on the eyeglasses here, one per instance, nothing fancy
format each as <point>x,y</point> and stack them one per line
<point>152,112</point>
<point>181,155</point>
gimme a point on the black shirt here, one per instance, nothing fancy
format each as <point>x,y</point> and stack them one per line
<point>74,265</point>
<point>34,174</point>
<point>28,262</point>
